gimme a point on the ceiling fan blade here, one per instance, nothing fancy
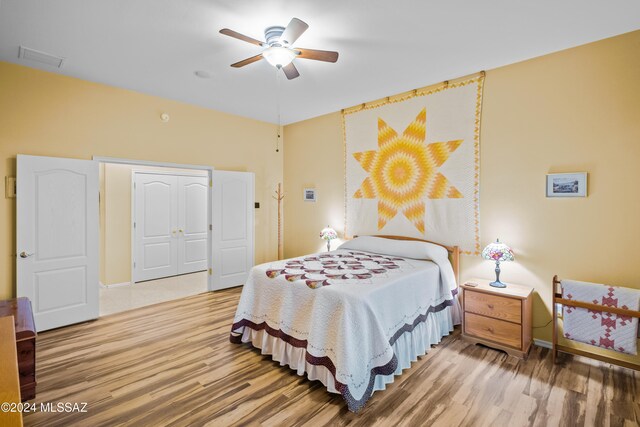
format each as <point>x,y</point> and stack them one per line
<point>236,35</point>
<point>294,30</point>
<point>318,55</point>
<point>290,71</point>
<point>247,61</point>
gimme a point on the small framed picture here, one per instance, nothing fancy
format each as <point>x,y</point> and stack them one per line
<point>567,184</point>
<point>309,194</point>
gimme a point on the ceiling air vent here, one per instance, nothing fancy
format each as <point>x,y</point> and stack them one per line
<point>41,57</point>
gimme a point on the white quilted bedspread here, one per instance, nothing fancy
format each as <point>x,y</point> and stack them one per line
<point>346,307</point>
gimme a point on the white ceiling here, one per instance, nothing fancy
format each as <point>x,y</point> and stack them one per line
<point>386,47</point>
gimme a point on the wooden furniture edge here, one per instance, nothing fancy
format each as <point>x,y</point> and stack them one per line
<point>554,338</point>
<point>597,307</point>
<point>485,291</point>
<point>555,347</point>
<point>454,251</point>
<point>25,340</point>
<point>10,378</point>
<point>522,354</point>
<point>596,356</point>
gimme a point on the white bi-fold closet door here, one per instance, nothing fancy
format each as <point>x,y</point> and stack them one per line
<point>170,225</point>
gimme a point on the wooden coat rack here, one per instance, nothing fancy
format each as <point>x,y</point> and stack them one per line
<point>279,196</point>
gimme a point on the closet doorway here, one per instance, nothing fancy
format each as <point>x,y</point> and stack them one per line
<point>154,234</point>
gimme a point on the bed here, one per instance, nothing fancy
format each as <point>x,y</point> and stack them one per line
<point>355,317</point>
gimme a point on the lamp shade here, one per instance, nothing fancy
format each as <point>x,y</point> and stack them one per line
<point>278,56</point>
<point>328,233</point>
<point>497,251</point>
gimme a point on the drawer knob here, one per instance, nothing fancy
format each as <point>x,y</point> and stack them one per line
<point>490,330</point>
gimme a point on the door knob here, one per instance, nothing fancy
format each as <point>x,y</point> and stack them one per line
<point>24,254</point>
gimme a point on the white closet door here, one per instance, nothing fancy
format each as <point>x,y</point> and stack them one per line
<point>58,239</point>
<point>155,226</point>
<point>192,223</point>
<point>233,230</point>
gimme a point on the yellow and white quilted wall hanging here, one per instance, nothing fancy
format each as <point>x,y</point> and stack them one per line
<point>412,166</point>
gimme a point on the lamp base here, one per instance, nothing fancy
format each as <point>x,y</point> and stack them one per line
<point>498,284</point>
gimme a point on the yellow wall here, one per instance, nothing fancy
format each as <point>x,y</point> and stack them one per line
<point>51,115</point>
<point>575,110</point>
<point>115,208</point>
<point>314,158</point>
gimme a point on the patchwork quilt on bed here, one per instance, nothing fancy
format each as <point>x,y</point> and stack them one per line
<point>332,268</point>
<point>346,308</point>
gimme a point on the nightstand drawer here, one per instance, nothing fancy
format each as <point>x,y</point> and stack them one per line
<point>495,306</point>
<point>499,331</point>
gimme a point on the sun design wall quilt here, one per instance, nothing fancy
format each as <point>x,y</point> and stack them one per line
<point>412,166</point>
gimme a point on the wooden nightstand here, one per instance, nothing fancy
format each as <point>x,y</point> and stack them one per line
<point>498,317</point>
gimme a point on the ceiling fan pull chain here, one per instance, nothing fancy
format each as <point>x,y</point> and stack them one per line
<point>278,109</point>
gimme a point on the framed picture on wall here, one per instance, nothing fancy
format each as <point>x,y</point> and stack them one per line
<point>309,194</point>
<point>567,184</point>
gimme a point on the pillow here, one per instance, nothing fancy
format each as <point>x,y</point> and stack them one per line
<point>407,249</point>
<point>402,248</point>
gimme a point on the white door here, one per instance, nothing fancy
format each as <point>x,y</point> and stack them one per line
<point>193,193</point>
<point>155,226</point>
<point>233,233</point>
<point>58,239</point>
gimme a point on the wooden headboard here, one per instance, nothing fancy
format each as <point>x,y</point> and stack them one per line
<point>454,251</point>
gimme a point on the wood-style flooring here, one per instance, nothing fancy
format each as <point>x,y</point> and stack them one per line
<point>173,364</point>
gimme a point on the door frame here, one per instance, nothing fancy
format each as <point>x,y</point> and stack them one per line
<point>209,169</point>
<point>133,209</point>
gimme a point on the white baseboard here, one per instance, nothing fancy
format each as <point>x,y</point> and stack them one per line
<point>541,343</point>
<point>115,285</point>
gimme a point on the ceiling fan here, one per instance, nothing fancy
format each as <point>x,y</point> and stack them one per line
<point>278,48</point>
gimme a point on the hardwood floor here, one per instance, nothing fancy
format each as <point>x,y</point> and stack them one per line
<point>173,364</point>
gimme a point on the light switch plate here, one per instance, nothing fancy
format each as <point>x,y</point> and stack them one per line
<point>10,187</point>
<point>559,311</point>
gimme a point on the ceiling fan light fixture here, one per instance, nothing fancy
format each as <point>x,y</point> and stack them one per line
<point>278,56</point>
<point>277,48</point>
